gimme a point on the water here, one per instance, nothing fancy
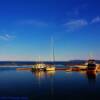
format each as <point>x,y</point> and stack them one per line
<point>27,85</point>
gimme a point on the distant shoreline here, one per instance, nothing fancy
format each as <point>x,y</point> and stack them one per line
<point>30,63</point>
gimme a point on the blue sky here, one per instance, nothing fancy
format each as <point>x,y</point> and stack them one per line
<point>26,28</point>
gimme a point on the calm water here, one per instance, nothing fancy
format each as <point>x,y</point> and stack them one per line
<point>49,85</point>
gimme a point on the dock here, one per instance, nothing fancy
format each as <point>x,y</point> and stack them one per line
<point>29,69</point>
<point>63,69</point>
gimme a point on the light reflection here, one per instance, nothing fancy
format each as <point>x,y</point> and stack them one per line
<point>39,74</point>
<point>42,74</point>
<point>50,73</point>
<point>83,72</point>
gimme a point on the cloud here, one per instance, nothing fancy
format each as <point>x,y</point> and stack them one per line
<point>6,37</point>
<point>75,24</point>
<point>34,23</point>
<point>96,20</point>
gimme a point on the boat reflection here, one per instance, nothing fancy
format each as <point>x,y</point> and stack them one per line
<point>91,76</point>
<point>39,74</point>
<point>42,74</point>
<point>50,73</point>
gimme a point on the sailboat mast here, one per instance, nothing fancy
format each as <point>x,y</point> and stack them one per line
<point>52,45</point>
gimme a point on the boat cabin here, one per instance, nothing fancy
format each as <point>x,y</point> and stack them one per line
<point>91,64</point>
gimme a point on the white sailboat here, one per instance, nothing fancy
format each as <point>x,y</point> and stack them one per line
<point>39,66</point>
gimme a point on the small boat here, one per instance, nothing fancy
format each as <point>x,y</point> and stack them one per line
<point>68,69</point>
<point>82,67</point>
<point>91,65</point>
<point>38,67</point>
<point>50,68</point>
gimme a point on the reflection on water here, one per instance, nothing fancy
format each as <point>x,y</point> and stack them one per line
<point>42,74</point>
<point>68,85</point>
<point>39,74</point>
<point>50,85</point>
<point>50,73</point>
<point>91,76</point>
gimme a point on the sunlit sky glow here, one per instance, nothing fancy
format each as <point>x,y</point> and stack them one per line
<point>26,28</point>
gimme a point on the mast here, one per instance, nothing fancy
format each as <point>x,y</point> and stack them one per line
<point>52,45</point>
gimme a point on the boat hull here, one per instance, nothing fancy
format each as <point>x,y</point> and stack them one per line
<point>50,69</point>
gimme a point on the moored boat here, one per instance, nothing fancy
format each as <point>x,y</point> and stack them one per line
<point>91,65</point>
<point>39,67</point>
<point>50,68</point>
<point>68,69</point>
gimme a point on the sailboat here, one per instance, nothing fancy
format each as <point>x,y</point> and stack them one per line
<point>51,67</point>
<point>39,66</point>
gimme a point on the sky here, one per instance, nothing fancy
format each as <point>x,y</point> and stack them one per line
<point>27,26</point>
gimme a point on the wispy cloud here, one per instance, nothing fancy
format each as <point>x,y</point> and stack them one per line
<point>33,22</point>
<point>75,24</point>
<point>6,37</point>
<point>96,20</point>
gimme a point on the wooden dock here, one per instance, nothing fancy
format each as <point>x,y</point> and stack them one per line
<point>31,69</point>
<point>63,69</point>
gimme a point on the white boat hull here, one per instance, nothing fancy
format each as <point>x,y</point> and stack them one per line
<point>50,69</point>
